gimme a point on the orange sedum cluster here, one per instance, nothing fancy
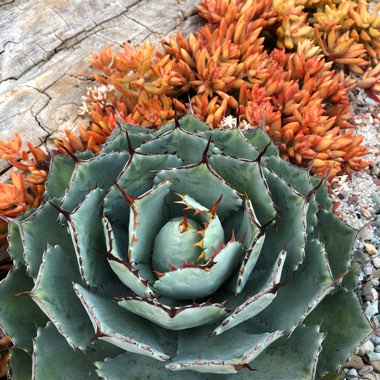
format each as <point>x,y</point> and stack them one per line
<point>225,68</point>
<point>27,186</point>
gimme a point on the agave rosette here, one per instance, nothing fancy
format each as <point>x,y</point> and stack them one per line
<point>186,249</point>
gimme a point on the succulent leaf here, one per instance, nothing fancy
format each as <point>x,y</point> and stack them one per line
<point>303,291</point>
<point>15,247</point>
<point>45,219</point>
<point>255,303</point>
<point>233,143</point>
<point>21,364</point>
<point>100,172</point>
<point>193,282</point>
<point>141,367</point>
<point>88,239</point>
<point>175,318</point>
<point>53,293</point>
<point>52,356</point>
<point>340,318</point>
<point>289,230</point>
<point>224,354</point>
<point>337,248</point>
<point>186,146</point>
<point>203,184</point>
<point>14,307</point>
<point>115,325</point>
<point>61,170</point>
<point>118,143</point>
<point>298,355</point>
<point>246,177</point>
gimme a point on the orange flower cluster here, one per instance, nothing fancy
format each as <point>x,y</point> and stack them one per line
<point>224,69</point>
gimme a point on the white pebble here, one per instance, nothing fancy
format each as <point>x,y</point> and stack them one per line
<point>376,262</point>
<point>352,372</point>
<point>377,348</point>
<point>375,282</point>
<point>375,294</point>
<point>376,340</point>
<point>368,346</point>
<point>371,309</point>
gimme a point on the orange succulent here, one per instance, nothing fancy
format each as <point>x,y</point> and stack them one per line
<point>226,70</point>
<point>16,197</point>
<point>12,149</point>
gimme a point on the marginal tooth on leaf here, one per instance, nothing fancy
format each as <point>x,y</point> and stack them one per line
<point>202,256</point>
<point>199,244</point>
<point>134,239</point>
<point>182,196</point>
<point>201,232</point>
<point>181,202</point>
<point>243,238</point>
<point>204,156</point>
<point>158,274</point>
<point>184,225</point>
<point>233,236</point>
<point>215,206</point>
<point>172,267</point>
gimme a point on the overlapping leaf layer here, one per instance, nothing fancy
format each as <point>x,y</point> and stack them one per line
<point>186,249</point>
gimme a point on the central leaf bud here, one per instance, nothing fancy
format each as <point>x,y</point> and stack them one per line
<point>178,241</point>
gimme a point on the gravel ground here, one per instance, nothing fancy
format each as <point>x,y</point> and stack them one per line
<point>359,206</point>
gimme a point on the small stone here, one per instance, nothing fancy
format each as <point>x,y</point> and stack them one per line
<point>370,376</point>
<point>376,340</point>
<point>367,288</point>
<point>371,210</point>
<point>371,249</point>
<point>371,309</point>
<point>368,297</point>
<point>368,269</point>
<point>376,262</point>
<point>368,346</point>
<point>376,365</point>
<point>375,323</point>
<point>365,212</point>
<point>354,362</point>
<point>374,294</point>
<point>376,274</point>
<point>375,282</point>
<point>376,200</point>
<point>365,232</point>
<point>373,356</point>
<point>359,256</point>
<point>366,369</point>
<point>360,351</point>
<point>377,348</point>
<point>352,373</point>
<point>353,198</point>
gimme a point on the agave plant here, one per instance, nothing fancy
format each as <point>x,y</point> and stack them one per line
<point>185,249</point>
